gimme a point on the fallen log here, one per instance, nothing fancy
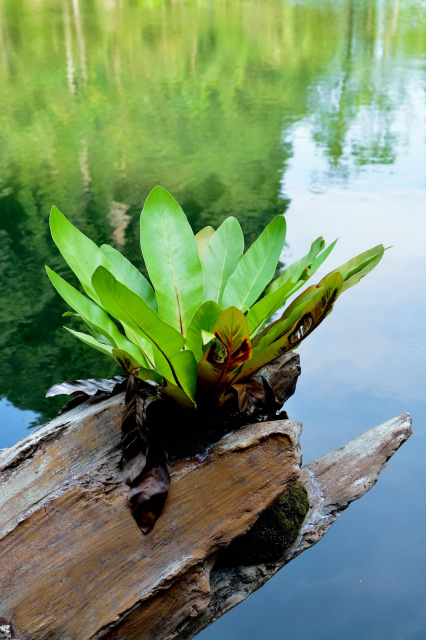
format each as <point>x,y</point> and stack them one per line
<point>75,566</point>
<point>332,483</point>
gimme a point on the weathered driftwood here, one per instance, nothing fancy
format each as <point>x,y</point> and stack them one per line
<point>332,482</point>
<point>74,564</point>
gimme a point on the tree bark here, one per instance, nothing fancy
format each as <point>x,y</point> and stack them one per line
<point>74,564</point>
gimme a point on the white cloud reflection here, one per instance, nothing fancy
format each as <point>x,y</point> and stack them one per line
<point>373,339</point>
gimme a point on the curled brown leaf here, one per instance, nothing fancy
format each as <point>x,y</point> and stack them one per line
<point>145,465</point>
<point>85,387</point>
<point>249,392</point>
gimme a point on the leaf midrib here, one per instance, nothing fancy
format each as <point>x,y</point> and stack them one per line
<point>152,340</point>
<point>257,276</point>
<point>228,359</point>
<point>222,269</point>
<point>173,276</point>
<point>85,269</point>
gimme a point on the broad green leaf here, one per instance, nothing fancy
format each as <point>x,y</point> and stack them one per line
<point>351,272</point>
<point>256,268</point>
<point>295,328</point>
<point>142,343</point>
<point>300,301</point>
<point>95,318</point>
<point>315,307</point>
<point>91,328</point>
<point>171,256</point>
<point>260,313</point>
<point>276,328</point>
<point>355,269</point>
<point>296,269</point>
<point>133,350</point>
<point>103,348</point>
<point>221,258</point>
<point>317,262</point>
<point>301,298</point>
<point>207,337</point>
<point>81,254</point>
<point>273,330</point>
<point>204,320</point>
<point>85,307</point>
<point>304,268</point>
<point>202,238</point>
<point>185,367</point>
<point>131,309</point>
<point>134,367</point>
<point>126,346</point>
<point>178,395</point>
<point>228,351</point>
<point>262,354</point>
<point>129,275</point>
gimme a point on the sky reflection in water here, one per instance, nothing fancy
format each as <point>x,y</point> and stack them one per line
<point>315,109</point>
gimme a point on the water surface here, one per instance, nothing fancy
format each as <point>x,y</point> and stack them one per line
<point>311,109</point>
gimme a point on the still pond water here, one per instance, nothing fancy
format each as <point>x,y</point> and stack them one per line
<point>250,108</point>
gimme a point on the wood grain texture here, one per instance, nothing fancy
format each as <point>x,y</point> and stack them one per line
<point>74,563</point>
<point>332,482</point>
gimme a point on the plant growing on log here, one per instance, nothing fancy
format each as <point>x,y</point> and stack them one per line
<point>201,326</point>
<point>198,331</point>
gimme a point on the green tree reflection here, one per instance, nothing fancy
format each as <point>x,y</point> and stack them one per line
<point>102,101</point>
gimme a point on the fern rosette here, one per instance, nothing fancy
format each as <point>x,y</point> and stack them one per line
<point>199,329</point>
<point>201,323</point>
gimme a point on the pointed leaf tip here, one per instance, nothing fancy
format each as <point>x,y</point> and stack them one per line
<point>203,238</point>
<point>221,258</point>
<point>81,254</point>
<point>257,267</point>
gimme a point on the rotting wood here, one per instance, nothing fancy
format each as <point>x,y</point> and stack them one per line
<point>75,565</point>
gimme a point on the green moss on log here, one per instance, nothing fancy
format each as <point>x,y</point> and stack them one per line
<point>272,534</point>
